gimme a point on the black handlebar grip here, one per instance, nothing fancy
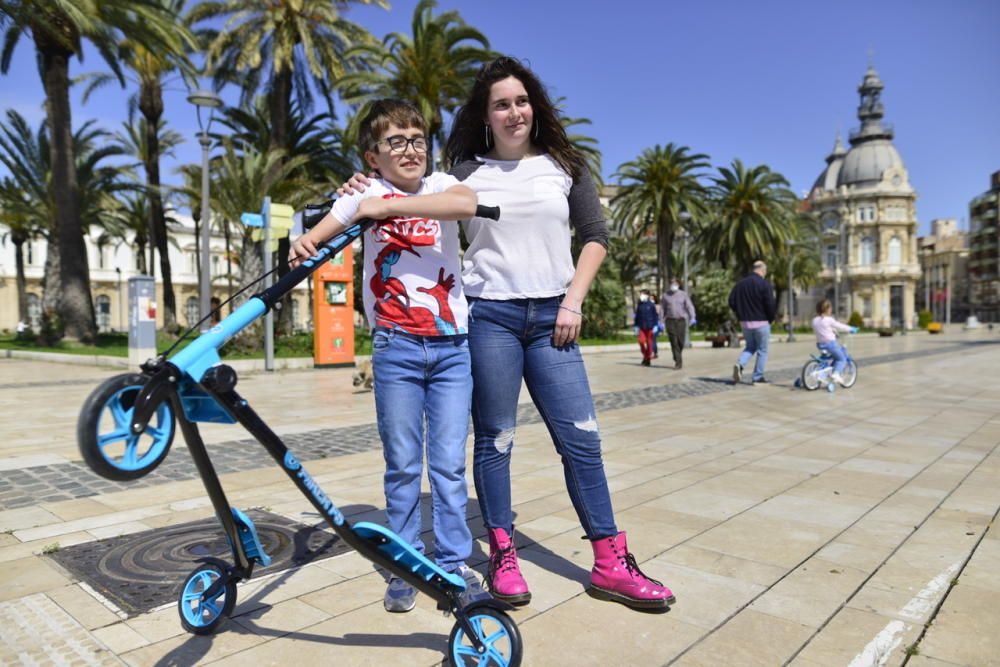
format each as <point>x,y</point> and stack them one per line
<point>491,212</point>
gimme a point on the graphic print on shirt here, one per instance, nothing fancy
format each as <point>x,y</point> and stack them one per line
<point>393,306</point>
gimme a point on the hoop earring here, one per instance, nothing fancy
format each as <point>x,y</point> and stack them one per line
<point>535,133</point>
<point>487,126</point>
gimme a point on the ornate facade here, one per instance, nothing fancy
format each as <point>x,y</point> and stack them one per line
<point>867,214</point>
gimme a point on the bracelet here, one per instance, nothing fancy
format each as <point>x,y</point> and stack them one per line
<point>575,312</point>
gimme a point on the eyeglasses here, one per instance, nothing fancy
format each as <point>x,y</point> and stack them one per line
<point>398,144</point>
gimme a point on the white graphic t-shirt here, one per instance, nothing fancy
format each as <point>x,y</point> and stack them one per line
<point>412,275</point>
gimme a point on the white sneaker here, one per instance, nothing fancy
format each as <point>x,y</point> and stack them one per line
<point>838,378</point>
<point>473,588</point>
<point>400,597</point>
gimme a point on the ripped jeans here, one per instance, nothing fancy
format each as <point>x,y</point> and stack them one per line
<point>510,340</point>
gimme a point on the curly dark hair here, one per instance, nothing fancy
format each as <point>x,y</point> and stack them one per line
<point>468,138</point>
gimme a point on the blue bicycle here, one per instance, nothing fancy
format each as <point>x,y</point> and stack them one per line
<point>126,427</point>
<point>818,372</point>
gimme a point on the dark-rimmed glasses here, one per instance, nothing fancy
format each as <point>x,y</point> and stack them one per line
<point>398,143</point>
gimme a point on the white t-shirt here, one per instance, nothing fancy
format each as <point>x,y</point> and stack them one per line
<point>526,253</point>
<point>412,277</point>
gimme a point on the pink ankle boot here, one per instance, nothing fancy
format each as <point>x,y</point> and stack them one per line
<point>616,577</point>
<point>504,578</point>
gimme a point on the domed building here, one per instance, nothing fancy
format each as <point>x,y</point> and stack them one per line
<point>868,221</point>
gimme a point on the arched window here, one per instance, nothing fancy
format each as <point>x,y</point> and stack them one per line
<point>191,310</point>
<point>34,311</point>
<point>102,308</point>
<point>895,251</point>
<point>830,258</point>
<point>867,255</point>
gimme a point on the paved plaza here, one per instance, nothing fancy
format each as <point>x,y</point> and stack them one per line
<point>804,528</point>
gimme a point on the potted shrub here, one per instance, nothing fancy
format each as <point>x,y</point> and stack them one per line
<point>885,332</point>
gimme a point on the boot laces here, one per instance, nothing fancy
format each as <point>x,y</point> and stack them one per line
<point>504,559</point>
<point>633,567</point>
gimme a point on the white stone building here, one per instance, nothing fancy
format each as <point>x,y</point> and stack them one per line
<point>110,268</point>
<point>867,213</point>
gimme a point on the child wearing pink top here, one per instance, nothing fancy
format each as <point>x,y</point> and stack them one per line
<point>826,327</point>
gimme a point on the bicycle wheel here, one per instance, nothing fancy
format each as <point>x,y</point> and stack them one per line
<point>850,374</point>
<point>203,615</point>
<point>107,444</point>
<point>810,375</point>
<point>496,631</point>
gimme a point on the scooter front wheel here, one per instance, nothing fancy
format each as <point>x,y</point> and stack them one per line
<point>105,439</point>
<point>499,635</point>
<point>202,609</point>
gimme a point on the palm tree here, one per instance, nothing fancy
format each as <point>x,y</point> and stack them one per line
<point>149,67</point>
<point>754,214</point>
<point>433,67</point>
<point>287,44</point>
<point>634,253</point>
<point>803,253</point>
<point>58,28</point>
<point>586,144</point>
<point>16,213</point>
<point>656,188</point>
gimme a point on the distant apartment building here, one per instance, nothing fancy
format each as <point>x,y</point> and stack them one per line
<point>944,287</point>
<point>984,252</point>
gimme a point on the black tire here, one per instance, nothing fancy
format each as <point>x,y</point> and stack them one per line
<point>506,646</point>
<point>204,617</point>
<point>809,379</point>
<point>850,374</point>
<point>103,436</point>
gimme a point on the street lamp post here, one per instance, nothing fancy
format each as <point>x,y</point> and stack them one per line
<point>210,101</point>
<point>791,323</point>
<point>836,282</point>
<point>687,289</point>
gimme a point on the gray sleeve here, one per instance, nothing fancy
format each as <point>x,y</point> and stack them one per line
<point>464,169</point>
<point>585,212</point>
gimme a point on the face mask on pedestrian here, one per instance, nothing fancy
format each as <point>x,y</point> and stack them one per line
<point>643,297</point>
<point>674,287</point>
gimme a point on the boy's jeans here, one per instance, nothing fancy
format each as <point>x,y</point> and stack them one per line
<point>510,340</point>
<point>838,352</point>
<point>756,341</point>
<point>418,380</point>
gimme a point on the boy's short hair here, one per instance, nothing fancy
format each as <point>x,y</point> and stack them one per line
<point>383,112</point>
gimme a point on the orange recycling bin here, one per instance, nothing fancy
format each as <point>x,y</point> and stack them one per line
<point>333,312</point>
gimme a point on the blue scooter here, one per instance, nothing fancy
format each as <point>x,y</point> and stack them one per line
<point>126,427</point>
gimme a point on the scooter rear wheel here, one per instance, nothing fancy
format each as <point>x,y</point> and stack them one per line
<point>105,440</point>
<point>496,630</point>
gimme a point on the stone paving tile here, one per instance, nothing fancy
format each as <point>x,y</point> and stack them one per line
<point>28,618</point>
<point>750,639</point>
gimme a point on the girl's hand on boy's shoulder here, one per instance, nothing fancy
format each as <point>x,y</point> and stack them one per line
<point>375,208</point>
<point>356,183</point>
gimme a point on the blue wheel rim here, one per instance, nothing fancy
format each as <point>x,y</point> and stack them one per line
<point>493,634</point>
<point>138,451</point>
<point>197,611</point>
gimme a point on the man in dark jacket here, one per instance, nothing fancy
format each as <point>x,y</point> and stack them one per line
<point>645,320</point>
<point>752,299</point>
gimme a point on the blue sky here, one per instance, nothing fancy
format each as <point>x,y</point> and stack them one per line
<point>767,81</point>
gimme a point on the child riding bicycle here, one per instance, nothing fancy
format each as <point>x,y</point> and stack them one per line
<point>826,326</point>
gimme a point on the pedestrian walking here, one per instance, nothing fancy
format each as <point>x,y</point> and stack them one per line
<point>645,321</point>
<point>678,312</point>
<point>752,299</point>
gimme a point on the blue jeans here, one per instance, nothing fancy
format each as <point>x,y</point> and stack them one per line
<point>838,353</point>
<point>756,342</point>
<point>511,340</point>
<point>425,380</point>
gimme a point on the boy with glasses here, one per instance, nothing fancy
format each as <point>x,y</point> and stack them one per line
<point>420,355</point>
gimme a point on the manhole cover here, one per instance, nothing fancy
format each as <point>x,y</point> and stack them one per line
<point>141,571</point>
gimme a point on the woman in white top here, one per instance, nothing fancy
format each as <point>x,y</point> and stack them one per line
<point>525,311</point>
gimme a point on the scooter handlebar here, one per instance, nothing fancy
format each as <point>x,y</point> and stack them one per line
<point>313,213</point>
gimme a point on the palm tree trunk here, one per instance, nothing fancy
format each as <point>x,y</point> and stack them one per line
<point>229,263</point>
<point>50,277</point>
<point>75,304</point>
<point>22,282</point>
<point>151,106</point>
<point>280,101</point>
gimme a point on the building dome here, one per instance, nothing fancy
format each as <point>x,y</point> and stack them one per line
<point>872,152</point>
<point>865,163</point>
<point>834,162</point>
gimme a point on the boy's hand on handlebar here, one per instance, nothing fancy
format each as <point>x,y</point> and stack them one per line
<point>302,248</point>
<point>356,183</point>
